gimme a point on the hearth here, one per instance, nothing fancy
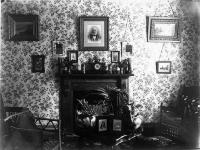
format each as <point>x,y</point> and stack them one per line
<point>88,106</point>
<point>74,90</point>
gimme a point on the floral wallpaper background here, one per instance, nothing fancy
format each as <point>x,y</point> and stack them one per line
<point>127,24</point>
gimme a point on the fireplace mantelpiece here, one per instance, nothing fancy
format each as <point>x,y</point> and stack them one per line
<point>84,82</point>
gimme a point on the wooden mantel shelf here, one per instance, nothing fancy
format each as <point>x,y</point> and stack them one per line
<point>86,76</point>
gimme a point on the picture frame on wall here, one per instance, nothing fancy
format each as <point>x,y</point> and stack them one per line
<point>94,34</point>
<point>163,29</point>
<point>22,27</point>
<point>163,67</point>
<point>58,48</point>
<point>38,63</point>
<point>115,56</point>
<point>73,56</point>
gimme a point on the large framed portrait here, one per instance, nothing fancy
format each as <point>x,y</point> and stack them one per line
<point>163,29</point>
<point>93,34</point>
<point>23,27</point>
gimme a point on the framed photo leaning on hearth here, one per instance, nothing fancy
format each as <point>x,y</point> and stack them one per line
<point>117,125</point>
<point>163,29</point>
<point>102,125</point>
<point>163,67</point>
<point>38,63</point>
<point>93,35</point>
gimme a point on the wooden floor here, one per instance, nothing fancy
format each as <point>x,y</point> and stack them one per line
<point>103,147</point>
<point>85,144</point>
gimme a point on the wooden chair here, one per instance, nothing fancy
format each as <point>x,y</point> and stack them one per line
<point>20,130</point>
<point>170,123</point>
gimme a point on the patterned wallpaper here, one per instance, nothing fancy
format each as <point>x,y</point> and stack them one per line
<point>58,21</point>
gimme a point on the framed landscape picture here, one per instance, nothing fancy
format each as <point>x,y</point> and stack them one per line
<point>163,29</point>
<point>163,67</point>
<point>93,33</point>
<point>23,27</point>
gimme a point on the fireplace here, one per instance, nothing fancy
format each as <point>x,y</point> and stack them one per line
<point>88,106</point>
<point>77,85</point>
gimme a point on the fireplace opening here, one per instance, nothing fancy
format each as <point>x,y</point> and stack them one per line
<point>88,106</point>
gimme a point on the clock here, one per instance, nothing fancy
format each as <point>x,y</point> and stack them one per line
<point>97,66</point>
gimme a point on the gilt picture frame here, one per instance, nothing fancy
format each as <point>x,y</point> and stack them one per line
<point>38,63</point>
<point>163,67</point>
<point>22,27</point>
<point>94,33</point>
<point>163,29</point>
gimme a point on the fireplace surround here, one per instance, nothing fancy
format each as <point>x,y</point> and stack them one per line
<point>75,83</point>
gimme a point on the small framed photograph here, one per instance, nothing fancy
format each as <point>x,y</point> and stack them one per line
<point>163,67</point>
<point>73,56</point>
<point>102,125</point>
<point>93,33</point>
<point>58,48</point>
<point>163,29</point>
<point>38,63</point>
<point>117,125</point>
<point>115,56</point>
<point>23,27</point>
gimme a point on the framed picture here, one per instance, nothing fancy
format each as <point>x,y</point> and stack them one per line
<point>38,63</point>
<point>23,27</point>
<point>58,48</point>
<point>93,33</point>
<point>163,67</point>
<point>117,125</point>
<point>102,125</point>
<point>163,29</point>
<point>73,56</point>
<point>115,56</point>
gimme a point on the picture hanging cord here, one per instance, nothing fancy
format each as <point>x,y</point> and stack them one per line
<point>157,8</point>
<point>123,37</point>
<point>128,26</point>
<point>171,8</point>
<point>173,13</point>
<point>127,21</point>
<point>162,52</point>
